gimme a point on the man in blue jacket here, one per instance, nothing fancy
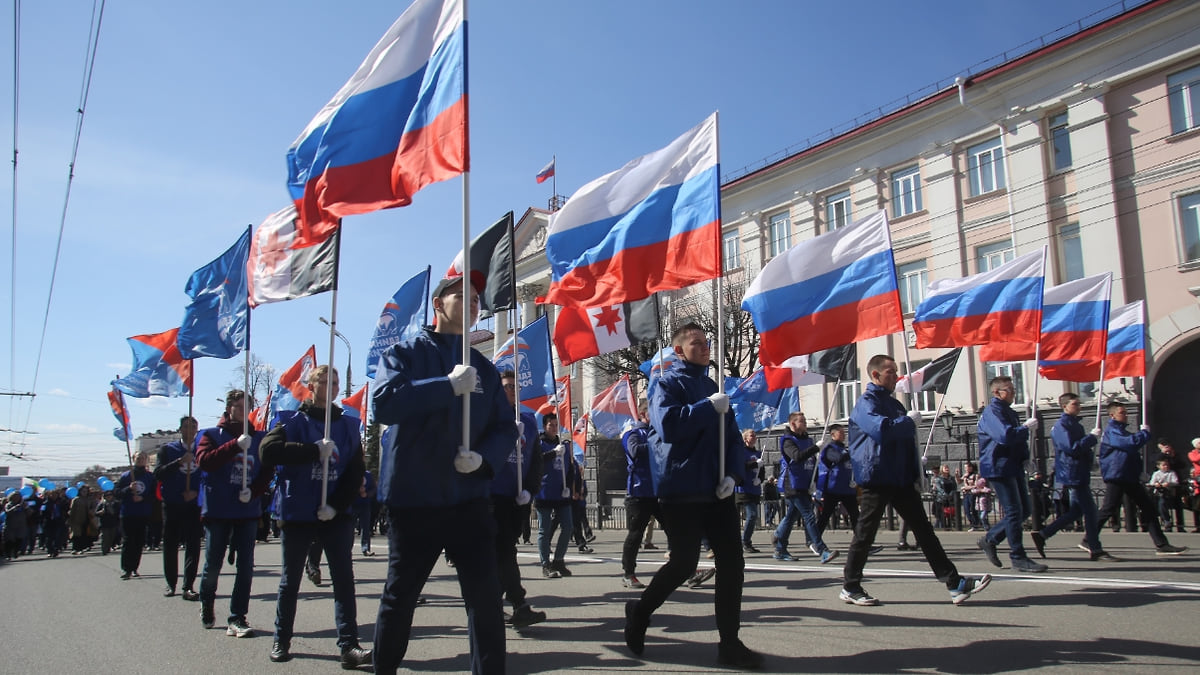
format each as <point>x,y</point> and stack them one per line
<point>227,454</point>
<point>179,481</point>
<point>1121,466</point>
<point>883,447</point>
<point>748,494</point>
<point>835,476</point>
<point>136,489</point>
<point>435,490</point>
<point>1074,455</point>
<point>298,449</point>
<point>553,498</point>
<point>641,506</point>
<point>694,491</point>
<point>1003,451</point>
<point>797,469</point>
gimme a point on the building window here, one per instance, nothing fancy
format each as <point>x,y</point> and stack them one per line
<point>1189,217</point>
<point>991,256</point>
<point>1013,369</point>
<point>925,401</point>
<point>1071,249</point>
<point>906,191</point>
<point>1060,142</point>
<point>780,233</point>
<point>1183,91</point>
<point>837,210</point>
<point>731,256</point>
<point>985,164</point>
<point>913,277</point>
<point>847,396</point>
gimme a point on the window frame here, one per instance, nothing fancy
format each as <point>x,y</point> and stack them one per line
<point>1183,99</point>
<point>904,273</point>
<point>1182,211</point>
<point>728,241</point>
<point>1013,369</point>
<point>783,218</point>
<point>906,191</point>
<point>833,201</point>
<point>985,160</point>
<point>847,395</point>
<point>1069,234</point>
<point>985,252</point>
<point>1058,128</point>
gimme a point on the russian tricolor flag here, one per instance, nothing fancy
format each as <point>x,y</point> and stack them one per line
<point>1000,305</point>
<point>1074,324</point>
<point>613,408</point>
<point>398,125</point>
<point>832,290</point>
<point>653,225</point>
<point>546,172</point>
<point>1125,355</point>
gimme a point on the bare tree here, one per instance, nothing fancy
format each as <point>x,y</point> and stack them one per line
<point>262,378</point>
<point>741,337</point>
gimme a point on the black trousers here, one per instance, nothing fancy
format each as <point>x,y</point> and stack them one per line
<point>1113,494</point>
<point>639,511</point>
<point>829,507</point>
<point>134,542</point>
<point>508,526</point>
<point>686,524</point>
<point>907,503</point>
<point>181,525</point>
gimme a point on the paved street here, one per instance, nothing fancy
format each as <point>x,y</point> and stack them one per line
<point>1140,615</point>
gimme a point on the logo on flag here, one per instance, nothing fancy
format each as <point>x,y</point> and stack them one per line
<point>401,318</point>
<point>277,270</point>
<point>158,367</point>
<point>535,376</point>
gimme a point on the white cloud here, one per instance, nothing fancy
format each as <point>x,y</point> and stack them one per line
<point>152,402</point>
<point>119,366</point>
<point>73,428</point>
<point>58,392</point>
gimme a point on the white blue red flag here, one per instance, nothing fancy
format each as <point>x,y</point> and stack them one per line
<point>546,172</point>
<point>831,290</point>
<point>401,318</point>
<point>653,225</point>
<point>535,376</point>
<point>1001,305</point>
<point>158,367</point>
<point>398,124</point>
<point>613,408</point>
<point>214,323</point>
<point>1125,350</point>
<point>1074,324</point>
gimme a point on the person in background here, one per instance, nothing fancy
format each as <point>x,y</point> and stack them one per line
<point>136,490</point>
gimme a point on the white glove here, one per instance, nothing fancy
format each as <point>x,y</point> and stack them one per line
<point>1031,423</point>
<point>523,497</point>
<point>725,488</point>
<point>244,442</point>
<point>1145,427</point>
<point>756,481</point>
<point>1097,432</point>
<point>244,496</point>
<point>326,447</point>
<point>720,402</point>
<point>467,461</point>
<point>326,512</point>
<point>462,379</point>
<point>915,416</point>
<point>561,449</point>
<point>520,429</point>
<point>759,462</point>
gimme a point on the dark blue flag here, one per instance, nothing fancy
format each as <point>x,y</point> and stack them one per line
<point>401,318</point>
<point>214,324</point>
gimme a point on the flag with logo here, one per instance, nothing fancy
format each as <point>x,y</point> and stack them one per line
<point>158,367</point>
<point>580,332</point>
<point>117,402</point>
<point>400,319</point>
<point>535,373</point>
<point>214,322</point>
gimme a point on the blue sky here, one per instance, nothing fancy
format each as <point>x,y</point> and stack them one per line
<point>192,108</point>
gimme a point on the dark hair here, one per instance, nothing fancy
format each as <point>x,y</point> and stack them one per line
<point>1067,398</point>
<point>686,328</point>
<point>998,380</point>
<point>547,417</point>
<point>833,428</point>
<point>1113,406</point>
<point>877,362</point>
<point>508,375</point>
<point>187,418</point>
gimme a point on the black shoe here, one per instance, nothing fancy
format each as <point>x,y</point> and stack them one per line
<point>635,629</point>
<point>550,573</point>
<point>190,595</point>
<point>904,546</point>
<point>354,656</point>
<point>749,548</point>
<point>136,575</point>
<point>525,616</point>
<point>989,550</point>
<point>589,537</point>
<point>169,593</point>
<point>1039,542</point>
<point>560,567</point>
<point>280,653</point>
<point>368,553</point>
<point>738,655</point>
<point>208,618</point>
<point>125,577</point>
<point>586,549</point>
<point>1027,565</point>
<point>314,575</point>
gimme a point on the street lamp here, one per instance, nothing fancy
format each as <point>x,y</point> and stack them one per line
<point>349,355</point>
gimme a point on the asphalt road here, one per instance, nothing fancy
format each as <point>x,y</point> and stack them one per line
<point>73,614</point>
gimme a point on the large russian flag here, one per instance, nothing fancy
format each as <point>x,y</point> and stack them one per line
<point>1074,324</point>
<point>652,225</point>
<point>1001,305</point>
<point>832,290</point>
<point>1125,355</point>
<point>398,124</point>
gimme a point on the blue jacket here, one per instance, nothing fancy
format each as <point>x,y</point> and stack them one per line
<point>141,483</point>
<point>1074,452</point>
<point>557,472</point>
<point>414,397</point>
<point>883,441</point>
<point>1121,454</point>
<point>750,490</point>
<point>684,437</point>
<point>797,462</point>
<point>836,470</point>
<point>636,441</point>
<point>291,448</point>
<point>172,474</point>
<point>505,482</point>
<point>220,461</point>
<point>362,501</point>
<point>1003,442</point>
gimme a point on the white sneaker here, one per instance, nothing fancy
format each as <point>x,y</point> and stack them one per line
<point>239,628</point>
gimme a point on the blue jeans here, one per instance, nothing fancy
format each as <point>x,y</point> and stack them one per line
<point>362,513</point>
<point>1082,504</point>
<point>1012,494</point>
<point>548,517</point>
<point>750,510</point>
<point>416,539</point>
<point>239,536</point>
<point>800,504</point>
<point>337,538</point>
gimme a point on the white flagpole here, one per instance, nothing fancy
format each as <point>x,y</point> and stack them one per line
<point>1104,362</point>
<point>720,313</point>
<point>812,481</point>
<point>517,398</point>
<point>329,392</point>
<point>246,405</point>
<point>1037,352</point>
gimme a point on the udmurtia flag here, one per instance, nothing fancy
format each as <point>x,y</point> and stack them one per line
<point>276,271</point>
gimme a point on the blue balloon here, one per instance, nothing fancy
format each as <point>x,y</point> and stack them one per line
<point>72,493</point>
<point>79,484</point>
<point>27,492</point>
<point>46,484</point>
<point>8,491</point>
<point>105,483</point>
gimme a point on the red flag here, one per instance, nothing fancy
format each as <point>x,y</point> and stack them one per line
<point>357,403</point>
<point>295,379</point>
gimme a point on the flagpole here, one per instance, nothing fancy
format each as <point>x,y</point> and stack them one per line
<point>513,318</point>
<point>553,176</point>
<point>812,481</point>
<point>1104,361</point>
<point>246,405</point>
<point>329,393</point>
<point>1037,351</point>
<point>929,439</point>
<point>720,305</point>
<point>187,479</point>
